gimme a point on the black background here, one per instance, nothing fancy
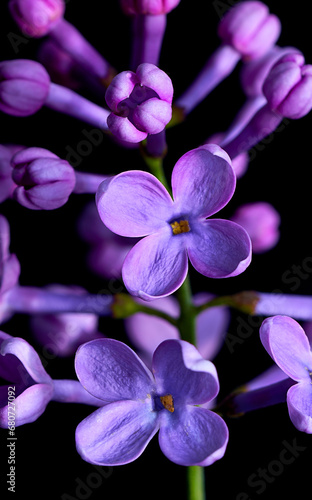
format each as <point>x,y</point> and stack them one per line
<point>49,250</point>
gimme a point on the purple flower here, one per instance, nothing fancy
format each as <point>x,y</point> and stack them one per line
<point>140,103</point>
<point>24,87</point>
<point>261,222</point>
<point>136,204</point>
<point>250,29</point>
<point>288,86</point>
<point>20,365</point>
<point>7,185</point>
<point>139,403</point>
<point>288,345</point>
<point>147,332</point>
<point>44,181</point>
<point>148,7</point>
<point>64,333</point>
<point>9,268</point>
<point>36,18</point>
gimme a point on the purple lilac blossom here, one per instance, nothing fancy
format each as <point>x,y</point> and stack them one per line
<point>64,333</point>
<point>250,29</point>
<point>44,181</point>
<point>139,403</point>
<point>20,365</point>
<point>36,18</point>
<point>9,269</point>
<point>287,344</point>
<point>140,102</point>
<point>107,251</point>
<point>261,221</point>
<point>239,163</point>
<point>7,185</point>
<point>203,182</point>
<point>24,87</point>
<point>147,332</point>
<point>148,7</point>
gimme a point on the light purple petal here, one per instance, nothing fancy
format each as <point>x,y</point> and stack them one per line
<point>181,371</point>
<point>218,248</point>
<point>28,357</point>
<point>156,79</point>
<point>133,203</point>
<point>111,371</point>
<point>29,405</point>
<point>193,436</point>
<point>117,433</point>
<point>124,130</point>
<point>156,266</point>
<point>120,88</point>
<point>299,402</point>
<point>152,115</point>
<point>203,181</point>
<point>286,342</point>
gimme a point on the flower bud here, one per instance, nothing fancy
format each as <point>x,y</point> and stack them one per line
<point>288,86</point>
<point>24,87</point>
<point>148,7</point>
<point>36,18</point>
<point>44,180</point>
<point>140,103</point>
<point>261,222</point>
<point>250,29</point>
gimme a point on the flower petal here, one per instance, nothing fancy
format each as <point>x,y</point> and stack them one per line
<point>111,371</point>
<point>219,248</point>
<point>286,342</point>
<point>29,405</point>
<point>124,130</point>
<point>299,402</point>
<point>117,433</point>
<point>203,181</point>
<point>133,203</point>
<point>156,266</point>
<point>193,436</point>
<point>181,371</point>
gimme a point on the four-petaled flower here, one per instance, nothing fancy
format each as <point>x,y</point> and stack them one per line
<point>139,403</point>
<point>135,203</point>
<point>288,345</point>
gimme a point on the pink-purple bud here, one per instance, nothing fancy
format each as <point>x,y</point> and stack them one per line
<point>36,18</point>
<point>24,87</point>
<point>141,103</point>
<point>261,221</point>
<point>44,181</point>
<point>148,7</point>
<point>250,29</point>
<point>288,86</point>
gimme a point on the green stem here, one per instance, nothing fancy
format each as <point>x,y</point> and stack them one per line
<point>187,319</point>
<point>243,301</point>
<point>196,483</point>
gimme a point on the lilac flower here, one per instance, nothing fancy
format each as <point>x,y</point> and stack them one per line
<point>148,7</point>
<point>64,333</point>
<point>261,222</point>
<point>140,103</point>
<point>139,403</point>
<point>9,268</point>
<point>135,203</point>
<point>107,250</point>
<point>21,367</point>
<point>147,332</point>
<point>36,17</point>
<point>250,29</point>
<point>286,342</point>
<point>24,87</point>
<point>7,185</point>
<point>44,181</point>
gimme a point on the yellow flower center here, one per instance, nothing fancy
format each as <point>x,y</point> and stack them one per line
<point>180,227</point>
<point>167,402</point>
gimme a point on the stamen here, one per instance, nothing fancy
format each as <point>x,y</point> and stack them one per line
<point>167,402</point>
<point>180,227</point>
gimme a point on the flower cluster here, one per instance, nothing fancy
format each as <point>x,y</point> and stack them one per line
<point>163,238</point>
